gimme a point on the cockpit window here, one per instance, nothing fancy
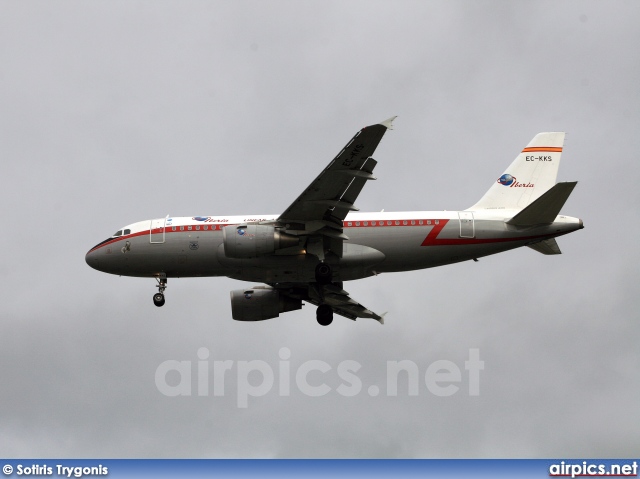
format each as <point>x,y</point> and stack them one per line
<point>127,232</point>
<point>118,233</point>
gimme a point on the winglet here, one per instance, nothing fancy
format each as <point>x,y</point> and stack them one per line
<point>389,123</point>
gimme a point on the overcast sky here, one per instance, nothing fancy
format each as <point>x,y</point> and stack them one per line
<point>115,112</point>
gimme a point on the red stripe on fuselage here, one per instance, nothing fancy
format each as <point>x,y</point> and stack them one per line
<point>433,240</point>
<point>218,227</point>
<point>169,229</point>
<point>115,240</point>
<point>430,240</point>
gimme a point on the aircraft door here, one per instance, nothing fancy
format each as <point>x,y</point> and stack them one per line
<point>467,229</point>
<point>156,230</point>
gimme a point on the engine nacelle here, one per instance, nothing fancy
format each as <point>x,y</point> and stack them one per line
<point>251,241</point>
<point>260,303</point>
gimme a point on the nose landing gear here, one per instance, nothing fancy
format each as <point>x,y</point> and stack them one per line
<point>158,298</point>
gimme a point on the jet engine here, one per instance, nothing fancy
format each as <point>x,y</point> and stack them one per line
<point>260,303</point>
<point>251,241</point>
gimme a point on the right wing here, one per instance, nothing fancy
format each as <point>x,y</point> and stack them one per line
<point>330,294</point>
<point>344,305</point>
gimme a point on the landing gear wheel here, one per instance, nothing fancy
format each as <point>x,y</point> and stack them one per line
<point>323,273</point>
<point>158,299</point>
<point>324,315</point>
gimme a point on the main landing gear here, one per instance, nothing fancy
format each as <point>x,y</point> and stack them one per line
<point>324,315</point>
<point>158,298</point>
<point>324,275</point>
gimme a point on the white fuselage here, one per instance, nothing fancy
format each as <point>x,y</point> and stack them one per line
<point>378,243</point>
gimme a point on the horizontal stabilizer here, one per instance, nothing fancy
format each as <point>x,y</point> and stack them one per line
<point>549,246</point>
<point>545,209</point>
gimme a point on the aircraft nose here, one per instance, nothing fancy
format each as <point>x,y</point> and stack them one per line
<point>580,225</point>
<point>91,259</point>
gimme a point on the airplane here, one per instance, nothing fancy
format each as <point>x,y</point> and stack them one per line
<point>306,253</point>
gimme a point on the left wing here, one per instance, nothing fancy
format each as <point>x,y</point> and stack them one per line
<point>324,204</point>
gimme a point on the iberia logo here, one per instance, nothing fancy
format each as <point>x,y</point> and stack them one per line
<point>506,179</point>
<point>512,182</point>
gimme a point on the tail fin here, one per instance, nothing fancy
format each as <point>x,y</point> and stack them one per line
<point>532,173</point>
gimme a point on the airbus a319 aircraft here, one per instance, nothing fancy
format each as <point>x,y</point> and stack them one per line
<point>318,242</point>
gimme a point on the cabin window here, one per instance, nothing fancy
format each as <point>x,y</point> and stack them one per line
<point>182,228</point>
<point>366,223</point>
<point>428,222</point>
<point>173,228</point>
<point>420,222</point>
<point>349,223</point>
<point>413,222</point>
<point>397,223</point>
<point>389,223</point>
<point>404,222</point>
<point>197,228</point>
<point>437,222</point>
<point>189,228</point>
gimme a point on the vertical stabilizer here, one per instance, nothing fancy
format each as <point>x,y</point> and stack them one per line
<point>532,173</point>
